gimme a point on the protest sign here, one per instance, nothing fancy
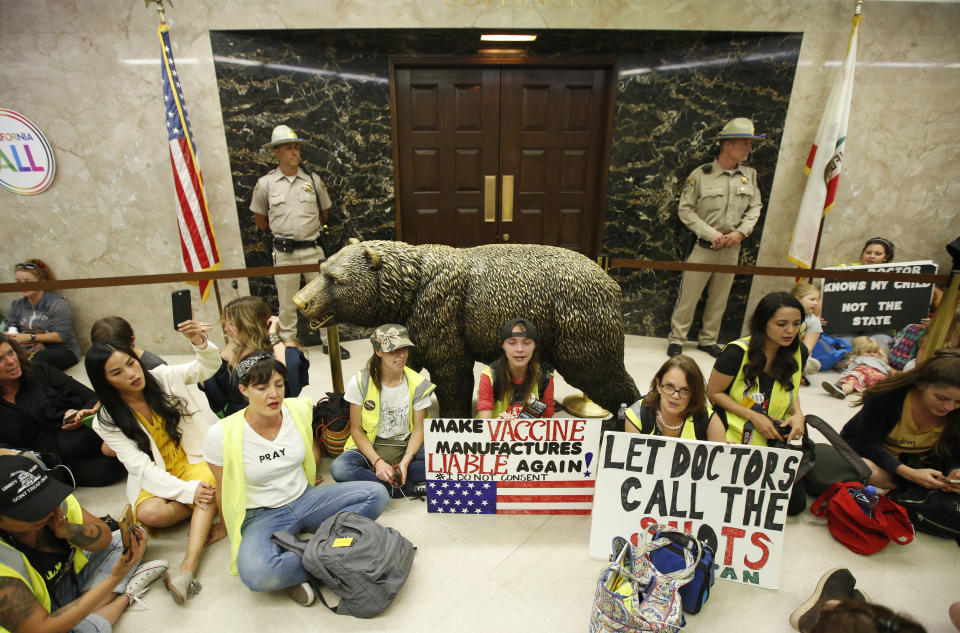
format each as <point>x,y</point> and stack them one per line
<point>521,466</point>
<point>732,496</point>
<point>868,306</point>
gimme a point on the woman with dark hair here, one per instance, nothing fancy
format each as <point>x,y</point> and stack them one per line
<point>41,409</point>
<point>876,250</point>
<point>41,321</point>
<point>148,418</point>
<point>388,403</point>
<point>114,328</point>
<point>755,383</point>
<point>914,419</point>
<point>676,405</point>
<point>516,380</point>
<point>261,496</point>
<point>252,331</point>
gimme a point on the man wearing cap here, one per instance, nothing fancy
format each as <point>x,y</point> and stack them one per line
<point>292,205</point>
<point>720,203</point>
<point>60,567</point>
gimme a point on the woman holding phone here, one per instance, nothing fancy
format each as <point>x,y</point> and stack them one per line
<point>149,419</point>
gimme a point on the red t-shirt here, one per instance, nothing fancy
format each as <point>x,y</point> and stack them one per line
<point>485,401</point>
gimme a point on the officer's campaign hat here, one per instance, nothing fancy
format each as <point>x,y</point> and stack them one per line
<point>282,134</point>
<point>739,128</point>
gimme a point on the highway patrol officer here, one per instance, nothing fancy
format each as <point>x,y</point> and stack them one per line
<point>720,203</point>
<point>288,202</point>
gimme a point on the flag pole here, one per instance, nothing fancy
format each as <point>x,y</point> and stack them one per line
<point>159,3</point>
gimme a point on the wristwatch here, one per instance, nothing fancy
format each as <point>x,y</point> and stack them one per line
<point>33,337</point>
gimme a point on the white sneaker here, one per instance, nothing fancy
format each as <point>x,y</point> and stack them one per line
<point>302,594</point>
<point>142,578</point>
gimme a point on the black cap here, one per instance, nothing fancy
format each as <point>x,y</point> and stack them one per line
<point>27,492</point>
<point>528,331</point>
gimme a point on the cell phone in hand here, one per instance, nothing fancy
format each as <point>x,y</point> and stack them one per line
<point>182,308</point>
<point>126,527</point>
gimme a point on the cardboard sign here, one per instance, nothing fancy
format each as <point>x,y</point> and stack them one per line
<point>732,496</point>
<point>869,306</point>
<point>522,466</point>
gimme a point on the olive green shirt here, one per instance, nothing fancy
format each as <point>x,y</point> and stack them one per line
<point>714,200</point>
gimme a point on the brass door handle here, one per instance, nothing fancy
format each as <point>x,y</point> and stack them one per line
<point>489,198</point>
<point>506,189</point>
<point>506,237</point>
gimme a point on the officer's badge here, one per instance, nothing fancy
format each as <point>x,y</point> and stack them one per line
<point>744,180</point>
<point>308,187</point>
<point>688,186</point>
<point>256,188</point>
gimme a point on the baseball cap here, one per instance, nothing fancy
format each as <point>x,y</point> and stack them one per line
<point>523,328</point>
<point>27,492</point>
<point>390,337</point>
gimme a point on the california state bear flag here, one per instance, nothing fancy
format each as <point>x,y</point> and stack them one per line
<point>825,160</point>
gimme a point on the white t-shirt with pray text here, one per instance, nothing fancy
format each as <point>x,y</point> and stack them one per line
<point>273,469</point>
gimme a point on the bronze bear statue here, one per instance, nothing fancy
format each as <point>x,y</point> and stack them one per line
<point>454,302</point>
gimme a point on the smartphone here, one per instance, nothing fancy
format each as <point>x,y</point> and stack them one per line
<point>182,308</point>
<point>126,527</point>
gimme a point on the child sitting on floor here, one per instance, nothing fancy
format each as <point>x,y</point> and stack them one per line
<point>865,366</point>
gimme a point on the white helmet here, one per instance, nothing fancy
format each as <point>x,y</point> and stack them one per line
<point>282,134</point>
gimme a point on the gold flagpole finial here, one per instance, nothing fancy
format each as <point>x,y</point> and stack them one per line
<point>159,3</point>
<point>856,11</point>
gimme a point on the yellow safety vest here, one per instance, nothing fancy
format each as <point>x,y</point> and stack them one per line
<point>14,564</point>
<point>233,484</point>
<point>501,404</point>
<point>419,387</point>
<point>690,424</point>
<point>781,400</point>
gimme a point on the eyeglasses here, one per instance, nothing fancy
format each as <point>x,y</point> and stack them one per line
<point>672,390</point>
<point>26,266</point>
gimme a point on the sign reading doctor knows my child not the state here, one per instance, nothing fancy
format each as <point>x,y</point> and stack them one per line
<point>734,497</point>
<point>522,466</point>
<point>27,166</point>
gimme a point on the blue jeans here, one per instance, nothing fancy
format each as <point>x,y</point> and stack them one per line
<point>263,566</point>
<point>353,466</point>
<point>98,568</point>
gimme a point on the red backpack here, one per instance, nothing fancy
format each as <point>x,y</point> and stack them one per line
<point>851,526</point>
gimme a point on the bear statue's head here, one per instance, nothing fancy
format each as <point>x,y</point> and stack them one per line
<point>362,284</point>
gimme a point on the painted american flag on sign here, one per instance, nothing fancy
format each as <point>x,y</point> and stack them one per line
<point>197,241</point>
<point>510,497</point>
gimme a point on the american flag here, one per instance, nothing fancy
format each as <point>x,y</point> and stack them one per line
<point>197,241</point>
<point>510,497</point>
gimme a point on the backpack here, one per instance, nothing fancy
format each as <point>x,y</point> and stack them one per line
<point>671,558</point>
<point>829,350</point>
<point>935,512</point>
<point>331,423</point>
<point>833,462</point>
<point>857,531</point>
<point>363,562</point>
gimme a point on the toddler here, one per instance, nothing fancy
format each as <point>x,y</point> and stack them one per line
<point>812,326</point>
<point>865,366</point>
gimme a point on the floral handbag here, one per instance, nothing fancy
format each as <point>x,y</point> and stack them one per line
<point>634,596</point>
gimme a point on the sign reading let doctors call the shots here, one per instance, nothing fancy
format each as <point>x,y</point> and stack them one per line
<point>522,466</point>
<point>27,166</point>
<point>731,496</point>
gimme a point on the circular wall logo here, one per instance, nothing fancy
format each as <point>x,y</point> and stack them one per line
<point>26,158</point>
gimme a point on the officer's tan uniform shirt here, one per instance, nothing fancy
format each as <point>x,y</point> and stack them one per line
<point>718,201</point>
<point>290,203</point>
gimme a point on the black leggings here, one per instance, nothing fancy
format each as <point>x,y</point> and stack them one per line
<point>80,451</point>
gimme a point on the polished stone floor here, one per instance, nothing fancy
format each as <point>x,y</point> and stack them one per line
<point>532,573</point>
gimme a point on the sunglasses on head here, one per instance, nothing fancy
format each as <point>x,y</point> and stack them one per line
<point>27,266</point>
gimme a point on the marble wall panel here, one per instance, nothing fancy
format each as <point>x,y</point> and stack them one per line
<point>674,92</point>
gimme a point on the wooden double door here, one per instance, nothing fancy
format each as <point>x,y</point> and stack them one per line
<point>502,154</point>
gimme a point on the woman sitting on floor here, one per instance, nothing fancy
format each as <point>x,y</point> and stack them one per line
<point>41,321</point>
<point>388,403</point>
<point>676,405</point>
<point>42,410</point>
<point>147,417</point>
<point>516,383</point>
<point>253,333</point>
<point>262,496</point>
<point>755,383</point>
<point>908,429</point>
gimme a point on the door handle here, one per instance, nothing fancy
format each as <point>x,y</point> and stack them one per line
<point>489,198</point>
<point>506,189</point>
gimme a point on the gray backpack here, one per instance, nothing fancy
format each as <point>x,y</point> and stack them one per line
<point>360,560</point>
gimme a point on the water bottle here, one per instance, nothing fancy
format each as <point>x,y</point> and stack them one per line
<point>867,498</point>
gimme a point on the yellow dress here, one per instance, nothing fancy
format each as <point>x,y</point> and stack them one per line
<point>174,458</point>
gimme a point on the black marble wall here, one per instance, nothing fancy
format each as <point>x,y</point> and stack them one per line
<point>674,92</point>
